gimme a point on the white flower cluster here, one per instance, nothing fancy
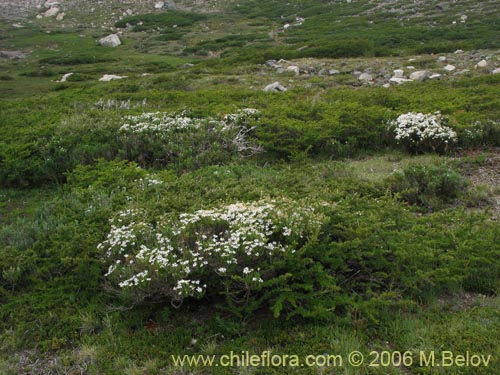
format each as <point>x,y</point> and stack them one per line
<point>165,122</point>
<point>423,129</point>
<point>158,122</point>
<point>233,240</point>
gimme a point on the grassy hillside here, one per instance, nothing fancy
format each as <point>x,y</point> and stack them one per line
<point>183,210</point>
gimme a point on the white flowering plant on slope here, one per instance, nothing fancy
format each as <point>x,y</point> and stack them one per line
<point>236,250</point>
<point>161,138</point>
<point>420,132</point>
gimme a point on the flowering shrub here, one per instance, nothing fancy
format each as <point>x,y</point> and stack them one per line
<point>420,132</point>
<point>234,250</point>
<point>160,138</point>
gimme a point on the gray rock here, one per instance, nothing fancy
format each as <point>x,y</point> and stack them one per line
<point>51,12</point>
<point>65,77</point>
<point>275,87</point>
<point>270,63</point>
<point>442,6</point>
<point>442,59</point>
<point>435,76</point>
<point>110,77</point>
<point>399,73</point>
<point>365,77</point>
<point>51,3</point>
<point>332,72</point>
<point>459,51</point>
<point>13,55</point>
<point>449,68</point>
<point>482,64</point>
<point>420,75</point>
<point>495,71</point>
<point>400,81</point>
<point>110,41</point>
<point>293,68</point>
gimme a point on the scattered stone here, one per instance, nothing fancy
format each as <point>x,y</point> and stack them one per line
<point>463,71</point>
<point>110,41</point>
<point>449,68</point>
<point>17,25</point>
<point>51,12</point>
<point>412,60</point>
<point>293,68</point>
<point>110,77</point>
<point>410,67</point>
<point>39,16</point>
<point>496,71</point>
<point>463,18</point>
<point>420,75</point>
<point>459,51</point>
<point>400,81</point>
<point>13,55</point>
<point>399,73</point>
<point>65,77</point>
<point>187,65</point>
<point>159,4</point>
<point>386,85</point>
<point>442,59</point>
<point>275,87</point>
<point>60,16</point>
<point>435,76</point>
<point>365,77</point>
<point>332,72</point>
<point>270,63</point>
<point>442,6</point>
<point>51,3</point>
<point>482,64</point>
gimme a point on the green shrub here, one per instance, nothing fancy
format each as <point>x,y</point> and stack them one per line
<point>430,187</point>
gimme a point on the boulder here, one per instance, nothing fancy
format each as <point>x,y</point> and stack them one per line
<point>399,73</point>
<point>51,12</point>
<point>13,55</point>
<point>293,68</point>
<point>110,41</point>
<point>110,77</point>
<point>420,75</point>
<point>400,81</point>
<point>275,87</point>
<point>496,71</point>
<point>51,3</point>
<point>365,77</point>
<point>482,64</point>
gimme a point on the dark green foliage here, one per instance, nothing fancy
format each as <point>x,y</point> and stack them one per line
<point>430,187</point>
<point>161,20</point>
<point>75,60</point>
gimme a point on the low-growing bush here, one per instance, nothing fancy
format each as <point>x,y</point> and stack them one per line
<point>159,139</point>
<point>431,186</point>
<point>238,250</point>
